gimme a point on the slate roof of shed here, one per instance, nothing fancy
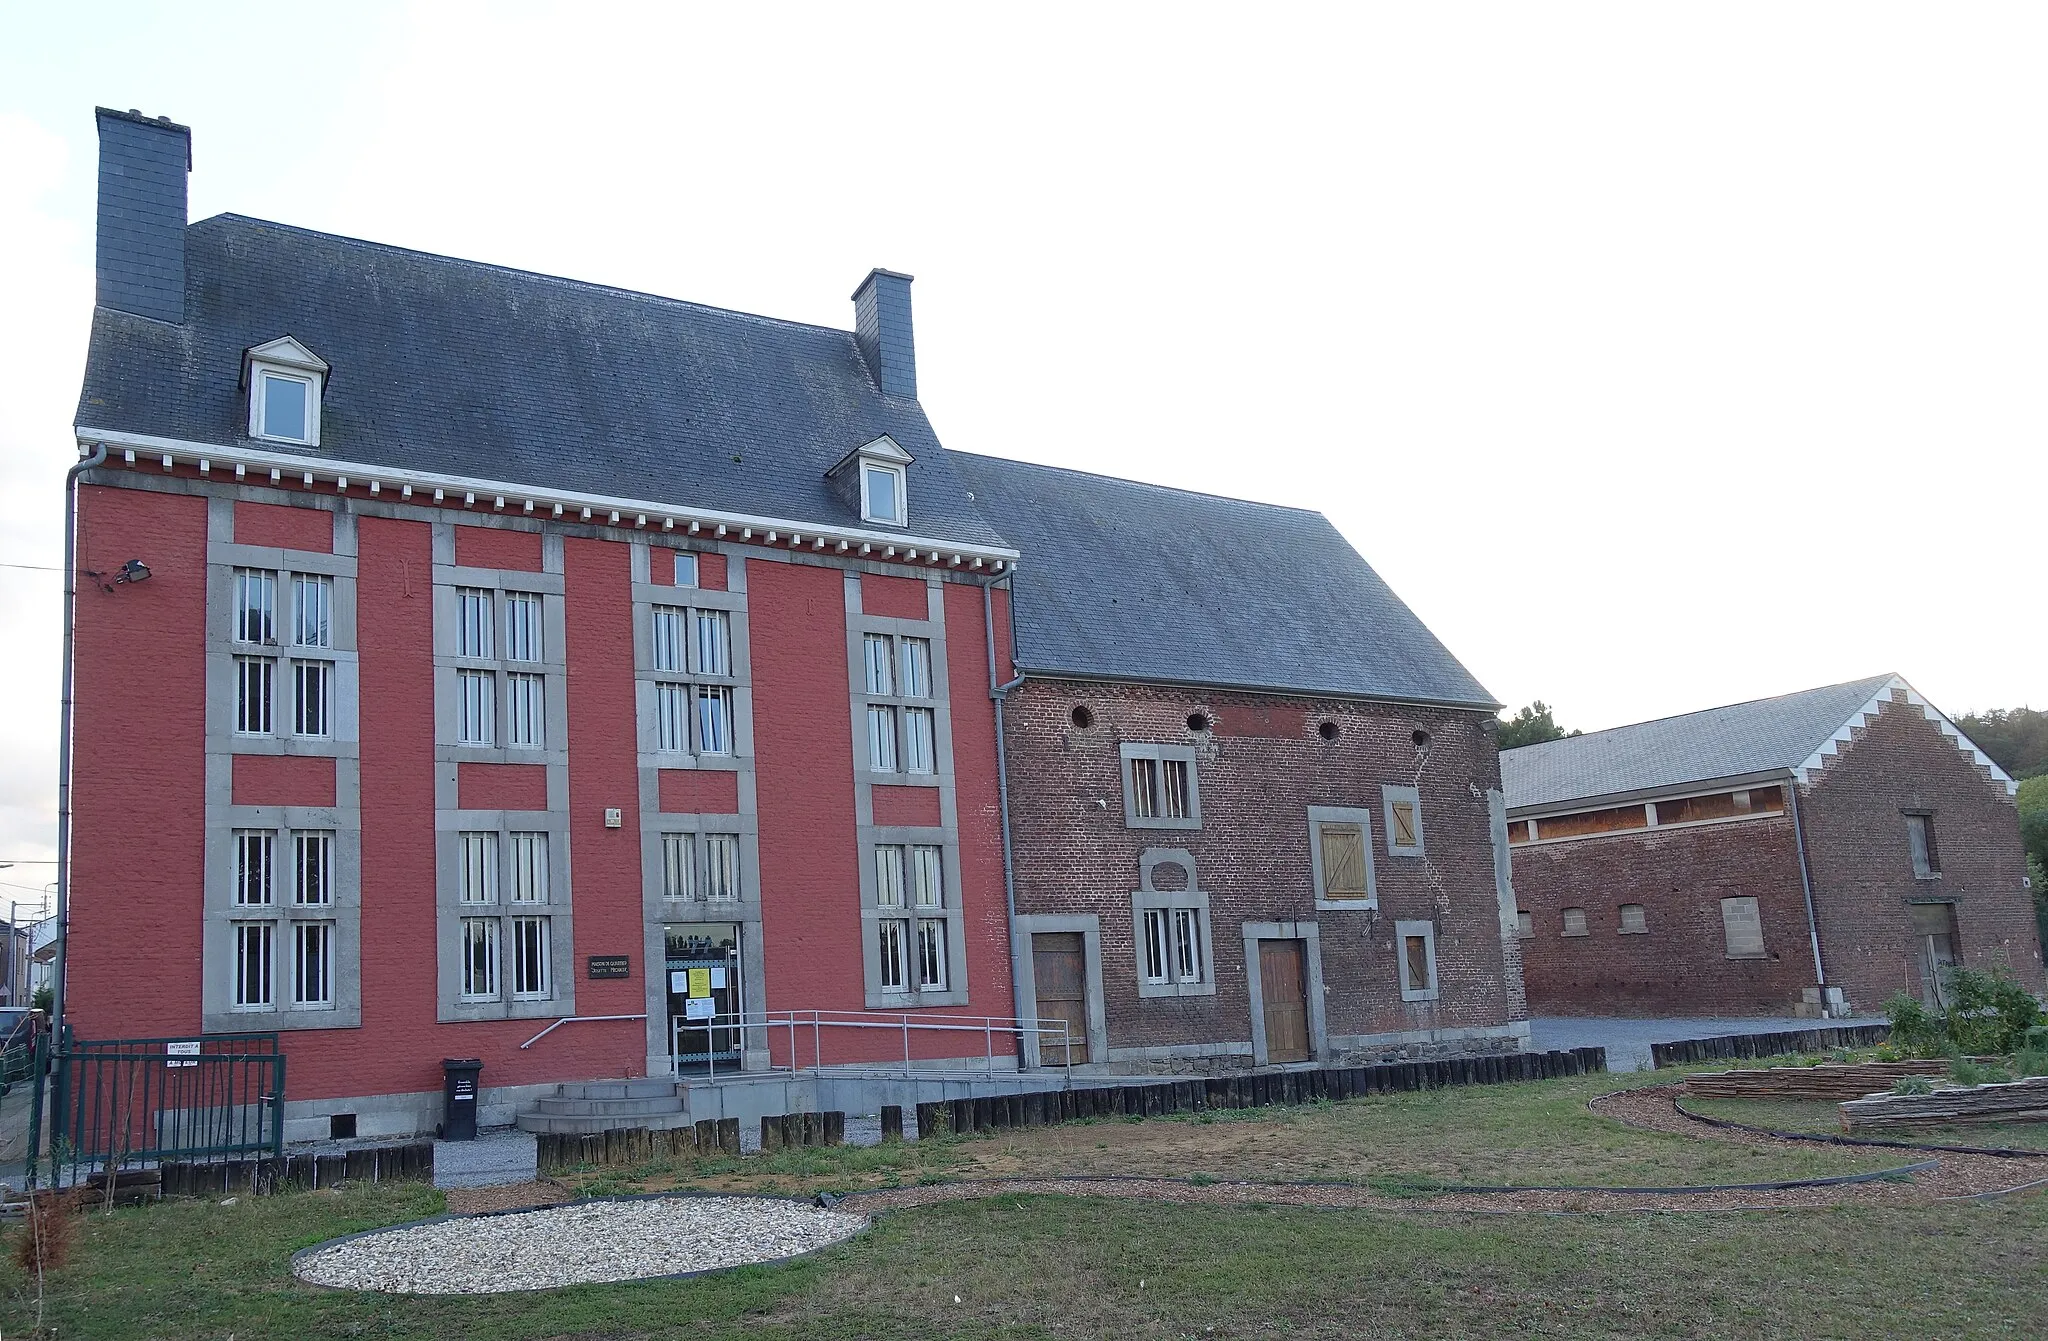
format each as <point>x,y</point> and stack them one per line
<point>1762,736</point>
<point>454,367</point>
<point>480,371</point>
<point>1123,580</point>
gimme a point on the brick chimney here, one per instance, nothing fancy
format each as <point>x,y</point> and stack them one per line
<point>140,259</point>
<point>881,327</point>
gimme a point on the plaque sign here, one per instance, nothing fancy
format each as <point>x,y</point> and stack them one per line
<point>611,966</point>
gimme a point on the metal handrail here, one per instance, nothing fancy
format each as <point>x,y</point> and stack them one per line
<point>817,1021</point>
<point>574,1019</point>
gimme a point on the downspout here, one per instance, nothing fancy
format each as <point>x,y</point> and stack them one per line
<point>98,457</point>
<point>997,692</point>
<point>1820,972</point>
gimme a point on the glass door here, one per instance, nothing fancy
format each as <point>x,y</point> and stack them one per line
<point>705,998</point>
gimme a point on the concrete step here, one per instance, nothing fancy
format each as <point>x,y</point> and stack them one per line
<point>585,1125</point>
<point>618,1089</point>
<point>620,1108</point>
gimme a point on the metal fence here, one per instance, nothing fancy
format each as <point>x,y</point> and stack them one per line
<point>803,1034</point>
<point>136,1102</point>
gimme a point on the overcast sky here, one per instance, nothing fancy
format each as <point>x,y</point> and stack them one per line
<point>1659,356</point>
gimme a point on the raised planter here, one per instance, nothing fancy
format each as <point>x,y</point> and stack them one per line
<point>1737,1047</point>
<point>2016,1101</point>
<point>1829,1083</point>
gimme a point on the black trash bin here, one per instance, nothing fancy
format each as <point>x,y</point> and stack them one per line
<point>458,1110</point>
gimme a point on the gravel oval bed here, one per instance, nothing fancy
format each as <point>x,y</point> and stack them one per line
<point>583,1243</point>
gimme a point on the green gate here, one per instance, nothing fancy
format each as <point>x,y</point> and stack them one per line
<point>135,1102</point>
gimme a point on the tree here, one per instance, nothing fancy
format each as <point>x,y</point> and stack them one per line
<point>1532,726</point>
<point>2033,802</point>
<point>2017,739</point>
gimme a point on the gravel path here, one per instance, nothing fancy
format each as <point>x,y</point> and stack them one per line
<point>577,1244</point>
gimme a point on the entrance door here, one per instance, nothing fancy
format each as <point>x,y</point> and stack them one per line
<point>1283,987</point>
<point>1934,944</point>
<point>1059,964</point>
<point>704,996</point>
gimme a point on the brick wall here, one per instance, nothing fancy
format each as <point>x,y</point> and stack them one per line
<point>1680,965</point>
<point>1863,867</point>
<point>1260,766</point>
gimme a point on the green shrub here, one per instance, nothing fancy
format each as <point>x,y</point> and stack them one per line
<point>2031,1062</point>
<point>1966,1072</point>
<point>1916,1032</point>
<point>1912,1085</point>
<point>1989,1013</point>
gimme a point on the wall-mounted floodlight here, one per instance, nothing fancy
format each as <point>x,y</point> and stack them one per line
<point>135,570</point>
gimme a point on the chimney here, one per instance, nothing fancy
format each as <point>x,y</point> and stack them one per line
<point>140,260</point>
<point>881,327</point>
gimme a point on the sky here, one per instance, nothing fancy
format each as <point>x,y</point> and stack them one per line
<point>1660,356</point>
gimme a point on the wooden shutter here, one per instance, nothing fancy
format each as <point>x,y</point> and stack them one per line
<point>1404,824</point>
<point>1343,848</point>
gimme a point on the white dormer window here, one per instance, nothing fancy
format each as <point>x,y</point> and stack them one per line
<point>285,380</point>
<point>881,493</point>
<point>875,478</point>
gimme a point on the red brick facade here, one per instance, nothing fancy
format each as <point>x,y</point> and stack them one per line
<point>1261,762</point>
<point>1853,812</point>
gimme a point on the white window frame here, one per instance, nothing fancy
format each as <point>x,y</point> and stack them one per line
<point>261,931</point>
<point>299,934</point>
<point>899,499</point>
<point>288,360</point>
<point>694,698</point>
<point>1403,931</point>
<point>1132,751</point>
<point>1391,795</point>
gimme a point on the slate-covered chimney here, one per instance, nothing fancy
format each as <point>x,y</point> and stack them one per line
<point>140,260</point>
<point>881,327</point>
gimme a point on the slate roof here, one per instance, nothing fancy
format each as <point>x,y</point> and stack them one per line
<point>1767,735</point>
<point>455,367</point>
<point>1122,580</point>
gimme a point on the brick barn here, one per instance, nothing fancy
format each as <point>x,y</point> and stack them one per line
<point>1808,854</point>
<point>584,681</point>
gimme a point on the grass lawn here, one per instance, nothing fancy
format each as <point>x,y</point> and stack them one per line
<point>1079,1267</point>
<point>1793,1115</point>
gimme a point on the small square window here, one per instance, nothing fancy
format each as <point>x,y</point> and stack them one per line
<point>1525,924</point>
<point>1160,788</point>
<point>686,569</point>
<point>1404,820</point>
<point>1634,922</point>
<point>286,407</point>
<point>1575,922</point>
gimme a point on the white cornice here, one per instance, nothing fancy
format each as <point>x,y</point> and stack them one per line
<point>1842,737</point>
<point>486,496</point>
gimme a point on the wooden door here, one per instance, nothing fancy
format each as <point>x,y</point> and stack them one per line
<point>1059,964</point>
<point>1934,937</point>
<point>1283,989</point>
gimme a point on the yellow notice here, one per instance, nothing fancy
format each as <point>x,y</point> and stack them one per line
<point>700,982</point>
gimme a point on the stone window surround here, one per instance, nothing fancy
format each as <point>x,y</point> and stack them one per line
<point>344,910</point>
<point>1402,931</point>
<point>341,744</point>
<point>658,911</point>
<point>1312,957</point>
<point>552,667</point>
<point>1146,897</point>
<point>451,911</point>
<point>1389,794</point>
<point>1318,816</point>
<point>1131,749</point>
<point>1089,925</point>
<point>945,835</point>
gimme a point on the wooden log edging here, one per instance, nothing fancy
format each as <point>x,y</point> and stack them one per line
<point>1737,1047</point>
<point>1252,1089</point>
<point>2012,1101</point>
<point>371,1164</point>
<point>1829,1083</point>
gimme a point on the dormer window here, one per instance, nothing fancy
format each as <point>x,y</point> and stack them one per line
<point>285,380</point>
<point>875,479</point>
<point>881,493</point>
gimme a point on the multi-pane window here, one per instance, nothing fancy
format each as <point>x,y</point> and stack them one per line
<point>254,942</point>
<point>505,888</point>
<point>254,853</point>
<point>691,653</point>
<point>1171,945</point>
<point>1159,789</point>
<point>257,621</point>
<point>312,868</point>
<point>910,887</point>
<point>505,702</point>
<point>705,866</point>
<point>902,732</point>
<point>313,963</point>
